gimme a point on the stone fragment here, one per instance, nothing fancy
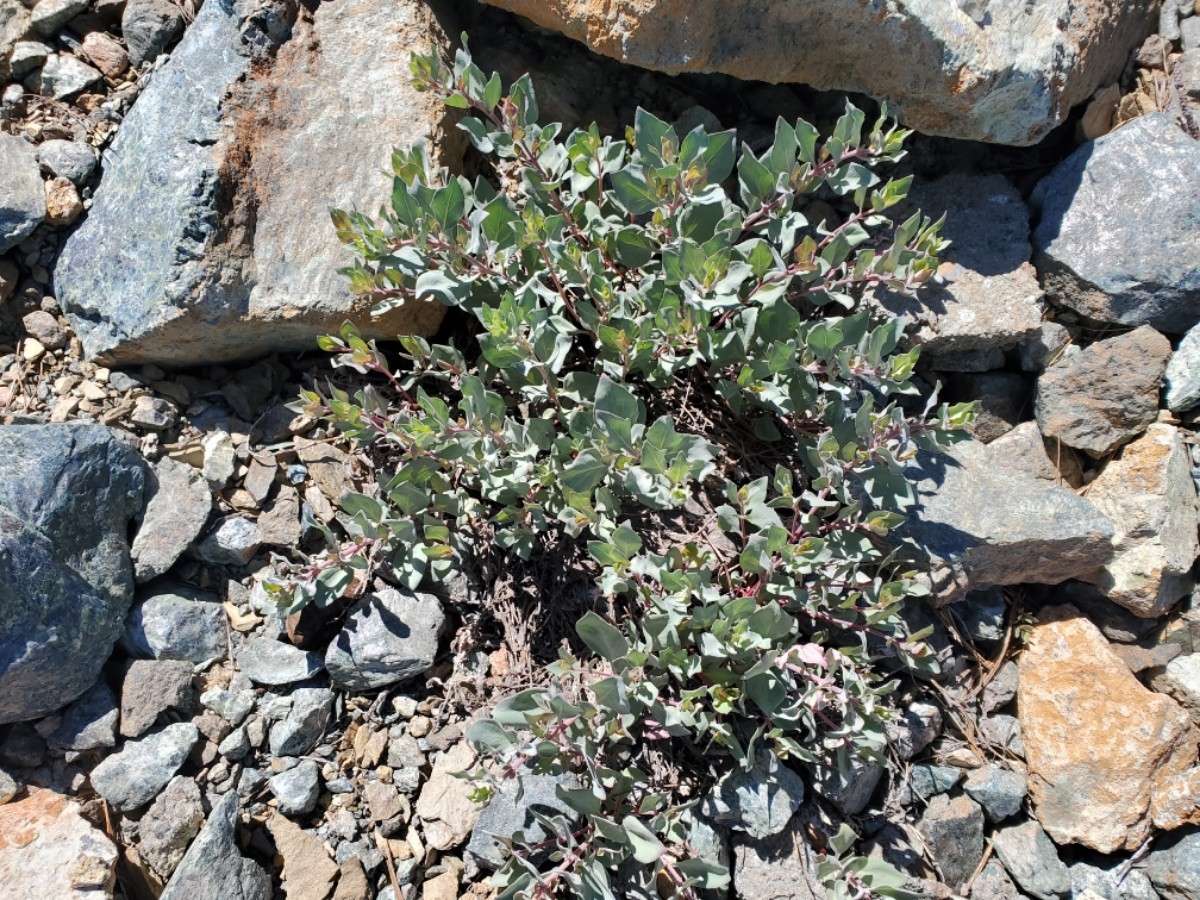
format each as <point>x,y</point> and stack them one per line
<point>49,15</point>
<point>72,160</point>
<point>1115,883</point>
<point>383,800</point>
<point>213,865</point>
<point>67,493</point>
<point>952,828</point>
<point>352,881</point>
<point>913,729</point>
<point>759,801</point>
<point>1181,679</point>
<point>169,825</point>
<point>22,197</point>
<point>1148,493</point>
<point>999,791</point>
<point>444,806</point>
<point>279,523</point>
<point>154,413</point>
<point>1125,269</point>
<point>1105,396</point>
<point>1099,745</point>
<point>982,526</point>
<point>151,687</point>
<point>232,706</point>
<point>389,637</point>
<point>507,813</point>
<point>90,723</point>
<point>997,72</point>
<point>9,787</point>
<point>308,872</point>
<point>148,26</point>
<point>209,237</point>
<point>441,887</point>
<point>850,789</point>
<point>927,780</point>
<point>45,328</point>
<point>233,543</point>
<point>106,54</point>
<point>1024,449</point>
<point>296,789</point>
<point>134,776</point>
<point>63,205</point>
<point>174,621</point>
<point>993,883</point>
<point>64,75</point>
<point>1183,372</point>
<point>1032,861</point>
<point>268,661</point>
<point>305,723</point>
<point>14,25</point>
<point>1035,353</point>
<point>986,297</point>
<point>220,458</point>
<point>178,509</point>
<point>49,851</point>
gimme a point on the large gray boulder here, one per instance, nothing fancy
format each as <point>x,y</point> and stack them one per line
<point>982,525</point>
<point>1005,71</point>
<point>210,236</point>
<point>1119,227</point>
<point>67,494</point>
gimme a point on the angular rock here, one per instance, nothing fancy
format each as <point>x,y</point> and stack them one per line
<point>1181,679</point>
<point>106,53</point>
<point>209,238</point>
<point>9,787</point>
<point>306,721</point>
<point>64,75</point>
<point>14,25</point>
<point>133,777</point>
<point>22,198</point>
<point>1105,396</point>
<point>72,160</point>
<point>169,825</point>
<point>1183,373</point>
<point>851,789</point>
<point>1037,352</point>
<point>1000,72</point>
<point>279,523</point>
<point>90,723</point>
<point>981,526</point>
<point>1115,883</point>
<point>174,621</point>
<point>178,509</point>
<point>148,26</point>
<point>213,865</point>
<point>233,543</point>
<point>49,851</point>
<point>296,789</point>
<point>987,295</point>
<point>953,831</point>
<point>1101,748</point>
<point>67,493</point>
<point>389,637</point>
<point>152,687</point>
<point>268,661</point>
<point>1148,493</point>
<point>1125,268</point>
<point>1032,861</point>
<point>779,867</point>
<point>913,729</point>
<point>232,706</point>
<point>1023,448</point>
<point>49,15</point>
<point>999,791</point>
<point>63,204</point>
<point>759,801</point>
<point>308,872</point>
<point>507,813</point>
<point>993,883</point>
<point>444,806</point>
<point>928,780</point>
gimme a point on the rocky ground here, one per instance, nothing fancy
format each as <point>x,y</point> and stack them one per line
<point>165,266</point>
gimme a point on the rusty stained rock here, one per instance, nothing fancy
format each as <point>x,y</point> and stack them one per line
<point>1107,757</point>
<point>48,851</point>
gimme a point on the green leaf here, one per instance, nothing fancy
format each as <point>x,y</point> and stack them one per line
<point>585,473</point>
<point>633,192</point>
<point>647,848</point>
<point>491,735</point>
<point>605,639</point>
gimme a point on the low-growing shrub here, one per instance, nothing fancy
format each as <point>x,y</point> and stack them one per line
<point>649,340</point>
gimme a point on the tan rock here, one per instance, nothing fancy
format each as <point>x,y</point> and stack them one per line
<point>49,851</point>
<point>352,882</point>
<point>1148,493</point>
<point>63,205</point>
<point>441,887</point>
<point>1097,119</point>
<point>105,53</point>
<point>444,805</point>
<point>308,872</point>
<point>1101,748</point>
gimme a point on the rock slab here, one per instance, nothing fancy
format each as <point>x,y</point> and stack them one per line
<point>213,865</point>
<point>176,512</point>
<point>137,774</point>
<point>22,197</point>
<point>49,850</point>
<point>389,637</point>
<point>67,494</point>
<point>210,238</point>
<point>1101,748</point>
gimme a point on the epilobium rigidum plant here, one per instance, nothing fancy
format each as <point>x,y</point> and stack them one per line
<point>615,282</point>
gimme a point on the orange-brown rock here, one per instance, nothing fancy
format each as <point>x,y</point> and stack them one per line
<point>1005,71</point>
<point>1107,757</point>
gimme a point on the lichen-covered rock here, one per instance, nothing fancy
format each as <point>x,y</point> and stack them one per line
<point>1106,395</point>
<point>209,238</point>
<point>1101,748</point>
<point>1148,493</point>
<point>998,70</point>
<point>1116,226</point>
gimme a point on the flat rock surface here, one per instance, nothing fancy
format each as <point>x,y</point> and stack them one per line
<point>1099,745</point>
<point>214,866</point>
<point>389,637</point>
<point>135,775</point>
<point>49,851</point>
<point>267,661</point>
<point>178,508</point>
<point>22,198</point>
<point>176,621</point>
<point>444,807</point>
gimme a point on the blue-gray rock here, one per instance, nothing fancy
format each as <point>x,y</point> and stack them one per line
<point>1183,373</point>
<point>233,543</point>
<point>759,800</point>
<point>926,780</point>
<point>981,614</point>
<point>132,777</point>
<point>14,25</point>
<point>174,621</point>
<point>67,494</point>
<point>1032,860</point>
<point>1004,730</point>
<point>849,789</point>
<point>72,160</point>
<point>64,75</point>
<point>980,526</point>
<point>306,721</point>
<point>169,825</point>
<point>235,745</point>
<point>49,15</point>
<point>999,791</point>
<point>913,728</point>
<point>90,723</point>
<point>1116,227</point>
<point>511,810</point>
<point>296,789</point>
<point>151,687</point>
<point>214,866</point>
<point>209,238</point>
<point>1174,866</point>
<point>27,56</point>
<point>232,706</point>
<point>389,637</point>
<point>22,196</point>
<point>1114,883</point>
<point>177,510</point>
<point>993,883</point>
<point>148,27</point>
<point>267,661</point>
<point>953,831</point>
<point>779,867</point>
